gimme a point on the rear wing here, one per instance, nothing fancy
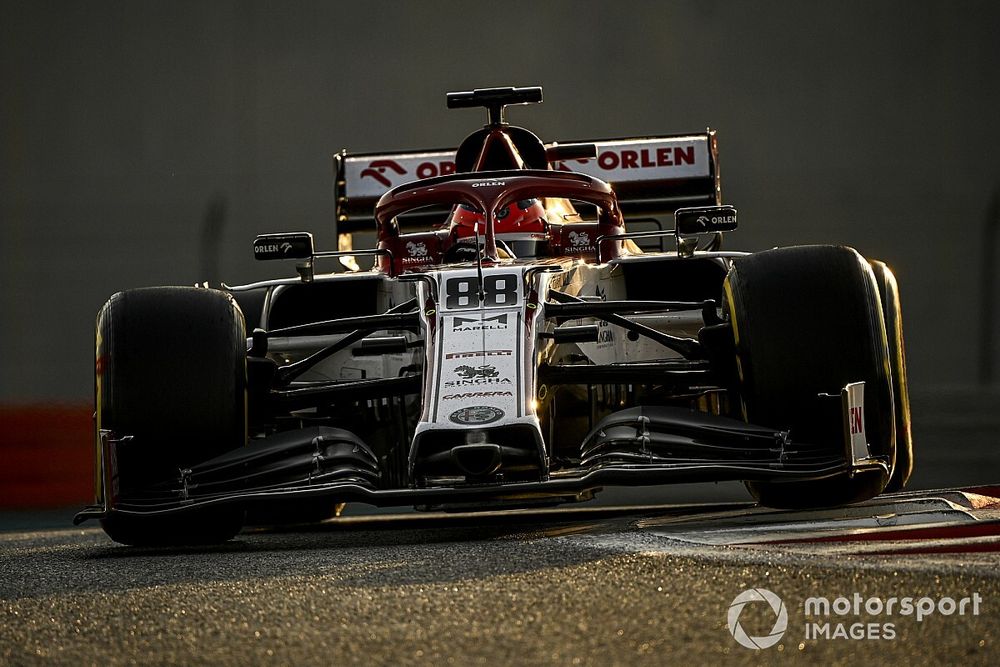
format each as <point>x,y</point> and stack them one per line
<point>651,176</point>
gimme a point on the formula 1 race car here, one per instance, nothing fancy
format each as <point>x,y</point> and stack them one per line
<point>524,337</point>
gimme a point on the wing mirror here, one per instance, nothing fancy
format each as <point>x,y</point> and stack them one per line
<point>704,220</point>
<point>289,245</point>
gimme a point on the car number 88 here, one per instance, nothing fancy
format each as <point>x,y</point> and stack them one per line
<point>498,290</point>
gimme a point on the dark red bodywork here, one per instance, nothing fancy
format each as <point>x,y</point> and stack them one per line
<point>490,192</point>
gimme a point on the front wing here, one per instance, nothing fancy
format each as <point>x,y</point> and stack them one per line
<point>634,447</point>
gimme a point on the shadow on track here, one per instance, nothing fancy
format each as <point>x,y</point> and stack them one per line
<point>351,551</point>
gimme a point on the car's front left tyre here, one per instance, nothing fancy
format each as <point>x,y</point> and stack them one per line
<point>888,292</point>
<point>807,321</point>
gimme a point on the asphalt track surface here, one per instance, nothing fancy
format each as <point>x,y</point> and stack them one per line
<point>593,585</point>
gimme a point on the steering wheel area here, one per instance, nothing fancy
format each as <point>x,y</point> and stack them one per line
<point>466,249</point>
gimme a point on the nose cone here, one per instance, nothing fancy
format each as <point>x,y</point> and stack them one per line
<point>477,460</point>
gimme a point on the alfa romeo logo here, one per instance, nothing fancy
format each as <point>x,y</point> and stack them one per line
<point>477,414</point>
<point>780,622</point>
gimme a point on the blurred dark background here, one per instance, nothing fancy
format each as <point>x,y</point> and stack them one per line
<point>147,143</point>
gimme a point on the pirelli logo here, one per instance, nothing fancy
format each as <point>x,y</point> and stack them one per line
<point>478,353</point>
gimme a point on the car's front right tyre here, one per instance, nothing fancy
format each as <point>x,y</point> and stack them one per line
<point>171,373</point>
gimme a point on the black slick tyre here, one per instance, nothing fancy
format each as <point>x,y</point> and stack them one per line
<point>171,373</point>
<point>807,321</point>
<point>889,296</point>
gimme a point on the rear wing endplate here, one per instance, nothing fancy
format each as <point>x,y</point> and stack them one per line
<point>651,176</point>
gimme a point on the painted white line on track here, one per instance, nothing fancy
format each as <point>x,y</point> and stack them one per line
<point>946,521</point>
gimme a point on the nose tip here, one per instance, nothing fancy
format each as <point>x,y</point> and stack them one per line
<point>477,460</point>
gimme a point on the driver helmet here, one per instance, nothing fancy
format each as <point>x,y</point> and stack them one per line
<point>525,215</point>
